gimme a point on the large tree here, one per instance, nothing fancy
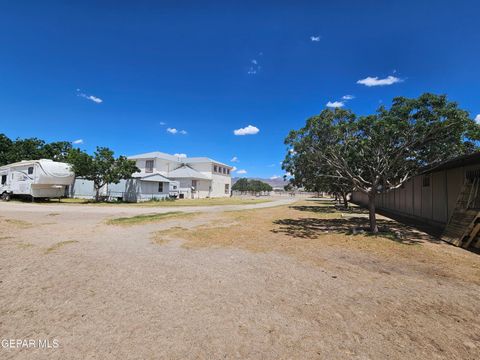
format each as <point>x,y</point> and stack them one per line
<point>102,168</point>
<point>380,152</point>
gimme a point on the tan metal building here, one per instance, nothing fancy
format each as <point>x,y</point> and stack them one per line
<point>447,194</point>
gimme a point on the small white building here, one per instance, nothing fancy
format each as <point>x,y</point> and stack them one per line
<point>198,177</point>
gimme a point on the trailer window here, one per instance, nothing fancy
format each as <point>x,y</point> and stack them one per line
<point>30,170</point>
<point>4,179</point>
<point>160,187</point>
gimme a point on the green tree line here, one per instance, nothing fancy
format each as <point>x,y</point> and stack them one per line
<point>251,186</point>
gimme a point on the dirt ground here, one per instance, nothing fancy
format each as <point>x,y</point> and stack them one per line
<point>276,280</point>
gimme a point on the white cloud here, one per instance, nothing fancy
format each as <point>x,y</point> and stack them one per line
<point>375,81</point>
<point>163,123</point>
<point>348,97</point>
<point>274,177</point>
<point>335,104</point>
<point>176,131</point>
<point>234,159</point>
<point>254,62</point>
<point>95,99</point>
<point>79,141</point>
<point>234,169</point>
<point>180,155</point>
<point>242,171</point>
<point>272,165</point>
<point>477,119</point>
<point>315,38</point>
<point>248,130</point>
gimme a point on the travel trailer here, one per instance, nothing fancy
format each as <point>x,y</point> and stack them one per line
<point>36,178</point>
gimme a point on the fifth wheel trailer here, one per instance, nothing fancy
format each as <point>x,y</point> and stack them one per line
<point>37,178</point>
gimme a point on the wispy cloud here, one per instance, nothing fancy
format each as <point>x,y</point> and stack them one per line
<point>243,171</point>
<point>248,130</point>
<point>78,141</point>
<point>274,177</point>
<point>335,104</point>
<point>315,38</point>
<point>348,97</point>
<point>254,67</point>
<point>234,169</point>
<point>375,81</point>
<point>176,131</point>
<point>162,123</point>
<point>234,159</point>
<point>93,98</point>
<point>180,155</point>
<point>477,119</point>
<point>272,165</point>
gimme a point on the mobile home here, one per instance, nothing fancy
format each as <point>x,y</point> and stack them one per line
<point>36,178</point>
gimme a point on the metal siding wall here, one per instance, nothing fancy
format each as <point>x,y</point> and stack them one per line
<point>409,197</point>
<point>427,199</point>
<point>417,196</point>
<point>439,196</point>
<point>454,184</point>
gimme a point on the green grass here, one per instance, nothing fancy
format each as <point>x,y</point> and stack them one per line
<point>146,218</point>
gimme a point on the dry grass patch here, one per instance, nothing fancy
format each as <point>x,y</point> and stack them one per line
<point>14,223</point>
<point>146,218</point>
<point>305,230</point>
<point>59,245</point>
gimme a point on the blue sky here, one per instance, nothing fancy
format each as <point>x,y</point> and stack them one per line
<point>120,74</point>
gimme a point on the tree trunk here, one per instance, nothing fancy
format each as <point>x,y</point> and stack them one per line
<point>97,193</point>
<point>371,213</point>
<point>345,200</point>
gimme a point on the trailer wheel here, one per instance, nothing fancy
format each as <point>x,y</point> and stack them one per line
<point>6,196</point>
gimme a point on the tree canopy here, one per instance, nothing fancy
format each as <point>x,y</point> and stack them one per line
<point>251,185</point>
<point>31,149</point>
<point>102,168</point>
<point>379,152</point>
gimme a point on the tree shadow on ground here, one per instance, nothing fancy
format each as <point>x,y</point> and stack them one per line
<point>328,209</point>
<point>312,228</point>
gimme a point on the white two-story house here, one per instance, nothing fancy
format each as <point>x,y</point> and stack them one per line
<point>195,177</point>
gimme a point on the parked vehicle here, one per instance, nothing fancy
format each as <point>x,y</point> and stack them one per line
<point>36,178</point>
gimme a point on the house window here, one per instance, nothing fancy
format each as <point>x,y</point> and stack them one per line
<point>160,187</point>
<point>30,170</point>
<point>194,185</point>
<point>228,171</point>
<point>4,179</point>
<point>426,181</point>
<point>149,166</point>
<point>215,168</point>
<point>227,188</point>
<point>224,170</point>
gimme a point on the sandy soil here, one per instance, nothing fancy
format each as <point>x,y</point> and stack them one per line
<point>113,292</point>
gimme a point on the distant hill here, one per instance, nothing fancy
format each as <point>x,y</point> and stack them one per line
<point>275,183</point>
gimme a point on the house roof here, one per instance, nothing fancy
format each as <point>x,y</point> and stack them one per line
<point>157,177</point>
<point>156,154</point>
<point>186,172</point>
<point>177,159</point>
